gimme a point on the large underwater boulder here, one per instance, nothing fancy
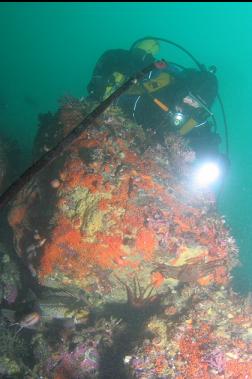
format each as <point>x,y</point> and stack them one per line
<point>126,211</point>
<point>119,219</point>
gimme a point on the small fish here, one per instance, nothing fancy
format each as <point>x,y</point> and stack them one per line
<point>62,311</point>
<point>28,321</point>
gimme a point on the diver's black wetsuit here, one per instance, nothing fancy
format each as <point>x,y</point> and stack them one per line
<point>203,140</point>
<point>126,62</point>
<point>143,110</point>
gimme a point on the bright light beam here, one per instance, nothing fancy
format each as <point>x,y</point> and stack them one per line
<point>207,174</point>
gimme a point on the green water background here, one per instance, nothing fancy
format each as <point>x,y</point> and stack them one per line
<point>48,50</point>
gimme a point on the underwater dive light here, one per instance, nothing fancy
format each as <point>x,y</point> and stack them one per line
<point>207,174</point>
<point>178,118</point>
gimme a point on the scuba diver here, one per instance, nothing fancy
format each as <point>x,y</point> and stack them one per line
<point>171,98</point>
<point>117,65</point>
<point>160,96</point>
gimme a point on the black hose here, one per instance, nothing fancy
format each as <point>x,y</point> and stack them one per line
<point>225,124</point>
<point>200,66</point>
<point>56,151</point>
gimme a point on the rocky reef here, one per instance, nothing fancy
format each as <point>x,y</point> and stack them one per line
<point>138,259</point>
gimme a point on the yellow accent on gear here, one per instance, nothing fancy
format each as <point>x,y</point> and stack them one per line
<point>118,80</point>
<point>109,90</point>
<point>152,85</point>
<point>187,127</point>
<point>163,80</point>
<point>161,105</point>
<point>151,46</point>
<point>118,77</point>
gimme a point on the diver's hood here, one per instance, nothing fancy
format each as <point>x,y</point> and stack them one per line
<point>201,84</point>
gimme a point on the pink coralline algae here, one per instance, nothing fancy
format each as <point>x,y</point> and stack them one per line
<point>216,360</point>
<point>81,363</point>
